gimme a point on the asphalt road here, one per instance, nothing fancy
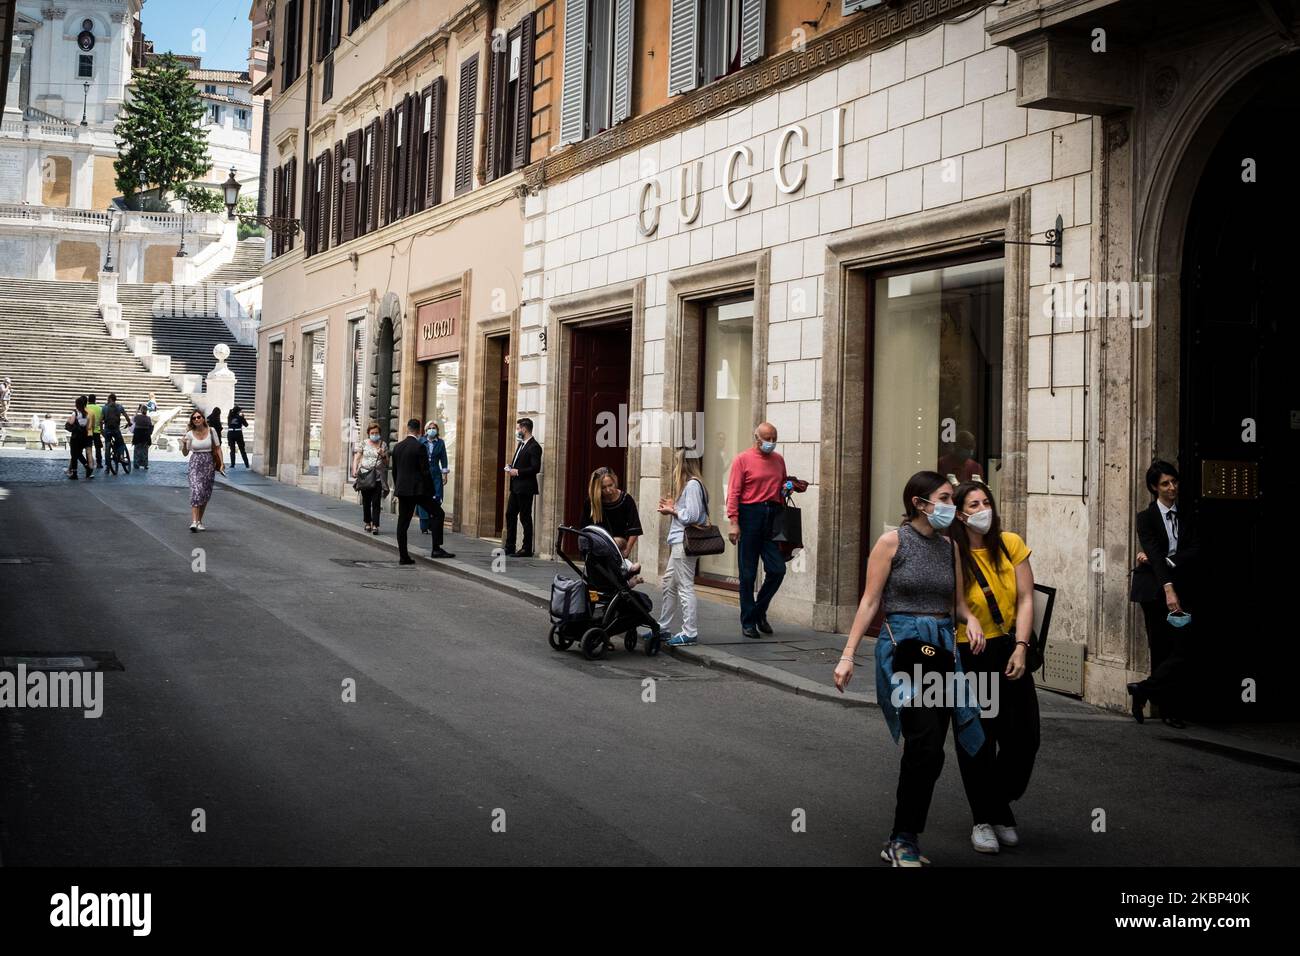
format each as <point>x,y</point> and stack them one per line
<point>231,702</point>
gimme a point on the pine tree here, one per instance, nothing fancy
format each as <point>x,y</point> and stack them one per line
<point>160,142</point>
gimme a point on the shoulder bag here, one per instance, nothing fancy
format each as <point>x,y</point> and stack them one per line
<point>1034,657</point>
<point>703,538</point>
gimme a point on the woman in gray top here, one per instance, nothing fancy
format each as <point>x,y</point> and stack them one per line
<point>688,505</point>
<point>914,574</point>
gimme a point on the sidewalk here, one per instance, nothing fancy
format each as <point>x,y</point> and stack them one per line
<point>796,659</point>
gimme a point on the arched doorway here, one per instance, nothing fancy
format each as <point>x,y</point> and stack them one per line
<point>386,367</point>
<point>1238,425</point>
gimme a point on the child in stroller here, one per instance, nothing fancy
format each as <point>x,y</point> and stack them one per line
<point>601,602</point>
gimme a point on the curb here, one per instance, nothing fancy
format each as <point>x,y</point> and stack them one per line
<point>702,656</point>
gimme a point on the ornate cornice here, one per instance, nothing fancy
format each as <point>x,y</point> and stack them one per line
<point>877,28</point>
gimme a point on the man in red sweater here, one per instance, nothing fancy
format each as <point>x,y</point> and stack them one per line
<point>754,494</point>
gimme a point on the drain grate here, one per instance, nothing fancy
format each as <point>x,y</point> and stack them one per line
<point>379,586</point>
<point>374,565</point>
<point>61,661</point>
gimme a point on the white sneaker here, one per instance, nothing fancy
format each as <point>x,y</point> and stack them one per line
<point>983,839</point>
<point>1007,836</point>
<point>200,526</point>
<point>194,526</point>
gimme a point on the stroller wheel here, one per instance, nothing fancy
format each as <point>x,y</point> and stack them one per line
<point>629,640</point>
<point>557,641</point>
<point>653,644</point>
<point>593,644</point>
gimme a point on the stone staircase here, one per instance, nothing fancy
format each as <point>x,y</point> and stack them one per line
<point>247,264</point>
<point>184,323</point>
<point>54,346</point>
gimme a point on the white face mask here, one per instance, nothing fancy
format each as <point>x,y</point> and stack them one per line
<point>980,521</point>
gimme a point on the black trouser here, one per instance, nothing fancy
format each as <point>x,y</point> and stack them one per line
<point>141,454</point>
<point>115,444</point>
<point>370,500</point>
<point>237,438</point>
<point>924,732</point>
<point>1169,665</point>
<point>99,451</point>
<point>520,505</point>
<point>77,448</point>
<point>999,772</point>
<point>406,508</point>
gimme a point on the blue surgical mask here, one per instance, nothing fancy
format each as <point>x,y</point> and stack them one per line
<point>767,447</point>
<point>374,438</point>
<point>431,432</point>
<point>1179,620</point>
<point>942,514</point>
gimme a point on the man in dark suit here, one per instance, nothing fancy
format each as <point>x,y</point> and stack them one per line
<point>1163,583</point>
<point>413,485</point>
<point>523,469</point>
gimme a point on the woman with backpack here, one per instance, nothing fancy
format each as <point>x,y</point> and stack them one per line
<point>914,574</point>
<point>688,505</point>
<point>79,439</point>
<point>1000,593</point>
<point>370,465</point>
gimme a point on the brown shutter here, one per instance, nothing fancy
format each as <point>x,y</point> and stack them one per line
<point>414,120</point>
<point>387,165</point>
<point>403,154</point>
<point>423,103</point>
<point>276,188</point>
<point>326,194</point>
<point>465,125</point>
<point>379,172</point>
<point>291,192</point>
<point>496,108</point>
<point>523,118</point>
<point>348,230</point>
<point>309,211</point>
<point>437,118</point>
<point>336,209</point>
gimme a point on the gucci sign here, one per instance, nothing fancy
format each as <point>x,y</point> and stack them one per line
<point>437,329</point>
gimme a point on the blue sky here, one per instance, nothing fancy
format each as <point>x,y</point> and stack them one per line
<point>170,24</point>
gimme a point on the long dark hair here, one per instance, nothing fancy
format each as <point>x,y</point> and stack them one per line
<point>961,536</point>
<point>921,485</point>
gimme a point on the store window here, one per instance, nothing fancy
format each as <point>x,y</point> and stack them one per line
<point>314,349</point>
<point>726,399</point>
<point>356,428</point>
<point>936,392</point>
<point>442,405</point>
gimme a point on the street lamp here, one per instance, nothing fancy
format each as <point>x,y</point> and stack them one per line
<point>108,244</point>
<point>185,205</point>
<point>85,96</point>
<point>280,225</point>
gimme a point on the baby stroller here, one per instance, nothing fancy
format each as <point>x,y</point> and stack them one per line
<point>600,603</point>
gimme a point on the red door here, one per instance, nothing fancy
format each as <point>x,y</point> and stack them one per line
<point>599,375</point>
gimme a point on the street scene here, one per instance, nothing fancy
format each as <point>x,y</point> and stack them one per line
<point>664,433</point>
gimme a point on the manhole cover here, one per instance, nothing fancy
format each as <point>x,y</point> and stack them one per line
<point>61,661</point>
<point>378,586</point>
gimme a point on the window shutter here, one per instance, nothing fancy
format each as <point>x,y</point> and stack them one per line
<point>386,192</point>
<point>414,117</point>
<point>275,209</point>
<point>684,46</point>
<point>752,25</point>
<point>465,125</point>
<point>309,199</point>
<point>424,129</point>
<point>523,118</point>
<point>380,175</point>
<point>624,17</point>
<point>348,230</point>
<point>496,108</point>
<point>336,168</point>
<point>291,191</point>
<point>573,100</point>
<point>437,119</point>
<point>326,194</point>
<point>401,149</point>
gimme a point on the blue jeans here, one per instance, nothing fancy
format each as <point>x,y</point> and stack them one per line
<point>756,541</point>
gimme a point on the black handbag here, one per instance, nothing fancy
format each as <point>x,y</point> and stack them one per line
<point>1034,656</point>
<point>913,652</point>
<point>366,480</point>
<point>703,538</point>
<point>787,526</point>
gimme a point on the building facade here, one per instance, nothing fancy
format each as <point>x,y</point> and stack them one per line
<point>397,136</point>
<point>232,121</point>
<point>996,240</point>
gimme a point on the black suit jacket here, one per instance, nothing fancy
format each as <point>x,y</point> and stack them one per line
<point>411,477</point>
<point>1149,579</point>
<point>529,462</point>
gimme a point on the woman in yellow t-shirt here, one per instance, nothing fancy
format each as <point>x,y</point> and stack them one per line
<point>999,772</point>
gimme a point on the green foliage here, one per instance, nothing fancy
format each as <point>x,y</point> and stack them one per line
<point>160,141</point>
<point>248,206</point>
<point>201,199</point>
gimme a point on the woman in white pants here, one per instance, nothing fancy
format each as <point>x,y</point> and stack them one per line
<point>688,505</point>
